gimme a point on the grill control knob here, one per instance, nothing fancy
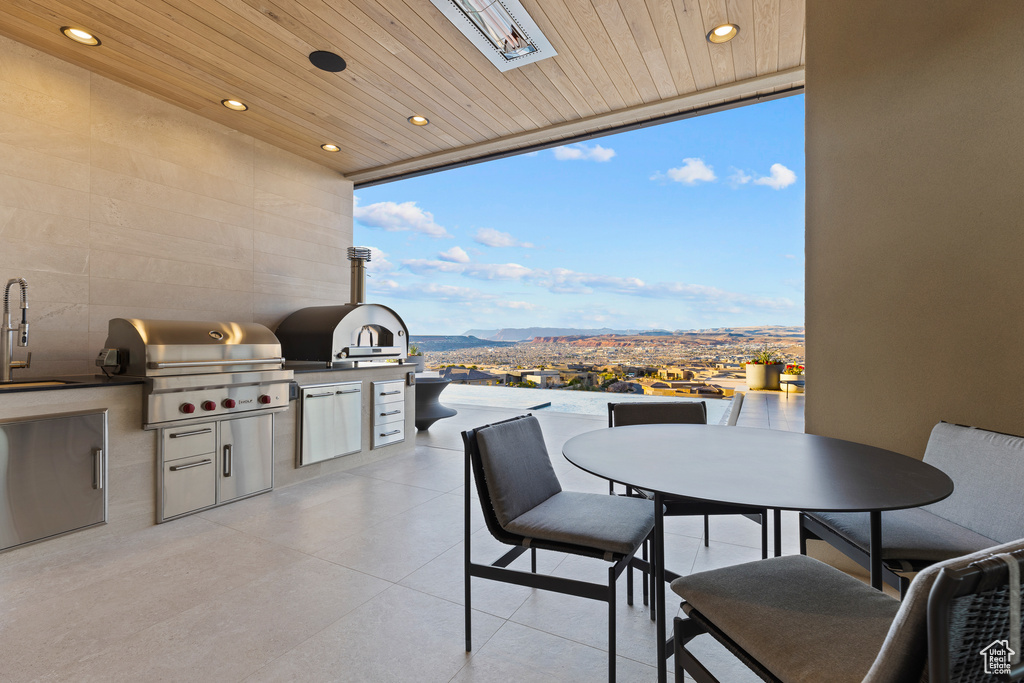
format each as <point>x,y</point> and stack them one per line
<point>187,408</point>
<point>264,399</point>
<point>228,403</point>
<point>209,405</point>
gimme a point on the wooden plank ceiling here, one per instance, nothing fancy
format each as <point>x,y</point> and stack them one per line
<point>619,62</point>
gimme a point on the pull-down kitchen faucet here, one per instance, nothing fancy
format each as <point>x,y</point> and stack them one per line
<point>7,362</point>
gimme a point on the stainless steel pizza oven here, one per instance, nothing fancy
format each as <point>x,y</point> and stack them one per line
<point>355,331</point>
<point>198,370</point>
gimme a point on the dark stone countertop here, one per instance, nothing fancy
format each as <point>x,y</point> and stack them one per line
<point>65,382</point>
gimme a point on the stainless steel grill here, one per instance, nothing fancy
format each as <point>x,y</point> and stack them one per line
<point>351,332</point>
<point>197,371</point>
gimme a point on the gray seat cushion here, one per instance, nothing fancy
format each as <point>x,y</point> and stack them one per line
<point>807,622</point>
<point>615,524</point>
<point>803,620</point>
<point>914,535</point>
<point>516,466</point>
<point>987,470</point>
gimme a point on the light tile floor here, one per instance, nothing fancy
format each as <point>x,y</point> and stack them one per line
<point>352,577</point>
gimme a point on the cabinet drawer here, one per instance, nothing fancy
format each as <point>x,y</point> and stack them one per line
<point>388,392</point>
<point>189,484</point>
<point>388,434</point>
<point>384,413</point>
<point>182,442</point>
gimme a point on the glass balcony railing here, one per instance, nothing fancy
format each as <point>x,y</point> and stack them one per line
<point>563,401</point>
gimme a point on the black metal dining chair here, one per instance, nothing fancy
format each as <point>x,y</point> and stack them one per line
<point>524,506</point>
<point>689,412</point>
<point>798,620</point>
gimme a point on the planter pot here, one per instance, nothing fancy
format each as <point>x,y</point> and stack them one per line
<point>420,362</point>
<point>764,376</point>
<point>785,380</point>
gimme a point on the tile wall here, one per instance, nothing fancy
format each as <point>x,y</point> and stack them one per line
<point>116,204</point>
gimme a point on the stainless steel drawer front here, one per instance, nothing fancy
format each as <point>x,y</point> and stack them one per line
<point>189,484</point>
<point>388,412</point>
<point>389,392</point>
<point>183,442</point>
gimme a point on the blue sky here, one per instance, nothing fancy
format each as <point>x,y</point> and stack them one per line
<point>692,224</point>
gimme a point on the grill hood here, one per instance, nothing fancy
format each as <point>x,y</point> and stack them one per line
<point>185,347</point>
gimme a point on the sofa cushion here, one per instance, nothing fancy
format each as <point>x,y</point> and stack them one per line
<point>516,466</point>
<point>615,524</point>
<point>987,470</point>
<point>911,535</point>
<point>803,620</point>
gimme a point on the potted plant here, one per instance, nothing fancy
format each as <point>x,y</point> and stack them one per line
<point>793,373</point>
<point>416,358</point>
<point>764,369</point>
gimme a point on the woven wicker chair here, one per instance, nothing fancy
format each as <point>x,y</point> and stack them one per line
<point>796,620</point>
<point>524,506</point>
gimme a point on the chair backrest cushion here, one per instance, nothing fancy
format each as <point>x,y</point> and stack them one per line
<point>905,649</point>
<point>689,412</point>
<point>987,469</point>
<point>517,469</point>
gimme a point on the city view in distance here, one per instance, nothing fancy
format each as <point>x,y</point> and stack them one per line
<point>708,363</point>
<point>656,260</point>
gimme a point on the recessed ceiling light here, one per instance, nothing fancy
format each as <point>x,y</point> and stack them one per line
<point>723,33</point>
<point>418,120</point>
<point>328,61</point>
<point>330,148</point>
<point>80,36</point>
<point>235,105</point>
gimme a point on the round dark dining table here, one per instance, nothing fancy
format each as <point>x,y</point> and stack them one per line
<point>757,467</point>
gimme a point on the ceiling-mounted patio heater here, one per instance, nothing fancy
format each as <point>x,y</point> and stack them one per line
<point>501,29</point>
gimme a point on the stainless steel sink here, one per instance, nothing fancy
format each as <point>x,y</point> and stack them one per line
<point>34,383</point>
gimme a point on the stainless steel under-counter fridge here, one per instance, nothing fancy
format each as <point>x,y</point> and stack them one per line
<point>52,475</point>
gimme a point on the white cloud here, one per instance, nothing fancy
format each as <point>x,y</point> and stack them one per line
<point>780,177</point>
<point>379,262</point>
<point>477,271</point>
<point>518,305</point>
<point>455,255</point>
<point>582,152</point>
<point>404,217</point>
<point>738,178</point>
<point>490,237</point>
<point>692,171</point>
<point>565,281</point>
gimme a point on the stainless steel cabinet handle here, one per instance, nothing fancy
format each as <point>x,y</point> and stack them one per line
<point>97,472</point>
<point>390,393</point>
<point>227,460</point>
<point>391,433</point>
<point>176,468</point>
<point>192,433</point>
<point>349,391</point>
<point>326,393</point>
<point>393,412</point>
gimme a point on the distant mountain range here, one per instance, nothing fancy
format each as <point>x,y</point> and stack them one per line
<point>527,333</point>
<point>452,342</point>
